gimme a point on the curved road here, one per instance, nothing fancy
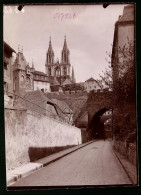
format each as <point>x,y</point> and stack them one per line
<point>95,164</point>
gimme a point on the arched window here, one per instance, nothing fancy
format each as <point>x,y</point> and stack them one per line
<point>27,81</point>
<point>57,72</point>
<point>22,77</point>
<point>65,71</point>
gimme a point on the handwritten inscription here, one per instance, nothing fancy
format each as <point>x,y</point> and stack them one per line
<point>9,10</point>
<point>62,16</point>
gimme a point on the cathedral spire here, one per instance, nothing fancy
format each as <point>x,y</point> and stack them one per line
<point>50,54</point>
<point>65,52</point>
<point>65,44</point>
<point>73,77</point>
<point>50,46</point>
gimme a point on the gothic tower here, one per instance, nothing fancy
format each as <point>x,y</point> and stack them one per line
<point>59,72</point>
<point>22,74</point>
<point>65,61</point>
<point>49,60</point>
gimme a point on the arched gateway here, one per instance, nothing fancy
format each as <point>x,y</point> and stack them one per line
<point>97,104</point>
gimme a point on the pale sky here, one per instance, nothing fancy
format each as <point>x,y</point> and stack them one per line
<point>89,33</point>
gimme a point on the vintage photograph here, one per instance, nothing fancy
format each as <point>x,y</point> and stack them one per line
<point>70,95</point>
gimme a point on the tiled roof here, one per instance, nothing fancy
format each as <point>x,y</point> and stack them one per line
<point>8,48</point>
<point>36,97</point>
<point>37,101</point>
<point>62,105</point>
<point>39,73</point>
<point>75,104</point>
<point>90,79</point>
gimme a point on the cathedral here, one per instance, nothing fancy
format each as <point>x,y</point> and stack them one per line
<point>59,72</point>
<point>55,78</point>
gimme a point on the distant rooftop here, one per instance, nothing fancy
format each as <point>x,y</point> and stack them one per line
<point>8,48</point>
<point>62,105</point>
<point>90,79</point>
<point>128,13</point>
<point>39,73</point>
<point>37,96</point>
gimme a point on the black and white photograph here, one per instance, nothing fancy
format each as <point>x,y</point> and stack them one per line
<point>69,75</point>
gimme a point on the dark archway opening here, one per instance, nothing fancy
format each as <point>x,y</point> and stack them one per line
<point>96,125</point>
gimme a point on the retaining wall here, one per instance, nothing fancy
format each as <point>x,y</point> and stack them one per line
<point>130,151</point>
<point>25,130</point>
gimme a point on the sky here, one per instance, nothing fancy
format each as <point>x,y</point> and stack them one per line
<point>89,31</point>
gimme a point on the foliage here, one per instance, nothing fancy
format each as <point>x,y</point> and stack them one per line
<point>73,87</point>
<point>121,79</point>
<point>119,76</point>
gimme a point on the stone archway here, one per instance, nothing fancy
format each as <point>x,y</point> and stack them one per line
<point>96,125</point>
<point>97,104</point>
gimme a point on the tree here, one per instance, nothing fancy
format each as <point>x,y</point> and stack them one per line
<point>120,78</point>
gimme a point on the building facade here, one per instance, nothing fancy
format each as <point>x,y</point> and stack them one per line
<point>59,72</point>
<point>91,84</point>
<point>26,78</point>
<point>22,75</point>
<point>124,35</point>
<point>41,81</point>
<point>8,74</point>
<point>124,76</point>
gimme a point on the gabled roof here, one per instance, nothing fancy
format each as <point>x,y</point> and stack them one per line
<point>20,60</point>
<point>76,104</point>
<point>90,79</point>
<point>37,97</point>
<point>37,101</point>
<point>62,105</point>
<point>67,81</point>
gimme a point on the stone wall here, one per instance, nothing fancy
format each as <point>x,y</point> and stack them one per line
<point>25,130</point>
<point>97,101</point>
<point>128,151</point>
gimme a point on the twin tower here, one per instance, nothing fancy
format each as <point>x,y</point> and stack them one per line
<point>59,72</point>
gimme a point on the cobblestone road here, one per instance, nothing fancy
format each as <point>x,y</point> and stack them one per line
<point>95,164</point>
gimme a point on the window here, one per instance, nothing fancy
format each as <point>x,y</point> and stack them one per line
<point>22,78</point>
